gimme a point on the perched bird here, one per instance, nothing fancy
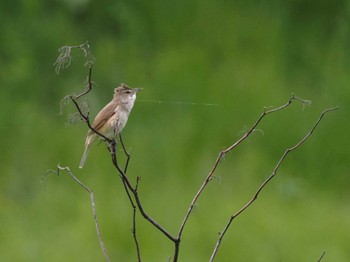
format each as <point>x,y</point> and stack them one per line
<point>111,120</point>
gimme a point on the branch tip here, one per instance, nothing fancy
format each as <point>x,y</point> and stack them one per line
<point>321,257</point>
<point>267,180</point>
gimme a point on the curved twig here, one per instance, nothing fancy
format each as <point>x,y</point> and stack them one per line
<point>255,196</point>
<point>223,152</point>
<point>92,200</point>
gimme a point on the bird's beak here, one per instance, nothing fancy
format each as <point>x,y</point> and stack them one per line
<point>137,89</point>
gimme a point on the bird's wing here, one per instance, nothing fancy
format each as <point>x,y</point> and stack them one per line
<point>102,117</point>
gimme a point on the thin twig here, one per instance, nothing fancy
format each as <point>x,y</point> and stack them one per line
<point>87,121</point>
<point>255,196</point>
<point>134,232</point>
<point>89,85</point>
<point>138,201</point>
<point>92,199</point>
<point>127,154</point>
<point>63,61</point>
<point>131,200</point>
<point>221,154</point>
<point>321,257</point>
<point>86,118</point>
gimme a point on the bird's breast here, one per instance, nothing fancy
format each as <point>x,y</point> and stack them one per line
<point>116,123</point>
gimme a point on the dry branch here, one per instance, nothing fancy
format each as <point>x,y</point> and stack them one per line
<point>63,61</point>
<point>223,152</point>
<point>261,187</point>
<point>92,200</point>
<point>321,257</point>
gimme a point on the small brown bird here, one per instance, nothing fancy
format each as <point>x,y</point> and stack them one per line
<point>111,120</point>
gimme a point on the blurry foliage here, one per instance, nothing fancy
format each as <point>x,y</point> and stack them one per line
<point>240,55</point>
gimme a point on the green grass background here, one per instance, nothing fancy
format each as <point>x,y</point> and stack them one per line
<point>240,56</point>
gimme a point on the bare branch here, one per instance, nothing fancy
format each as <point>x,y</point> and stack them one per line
<point>92,199</point>
<point>63,61</point>
<point>136,196</point>
<point>85,117</point>
<point>223,152</point>
<point>321,257</point>
<point>222,234</point>
<point>134,225</point>
<point>127,154</point>
<point>89,85</point>
<point>127,190</point>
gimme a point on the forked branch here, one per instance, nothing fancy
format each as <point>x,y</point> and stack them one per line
<point>223,152</point>
<point>261,187</point>
<point>92,200</point>
<point>220,156</point>
<point>63,61</point>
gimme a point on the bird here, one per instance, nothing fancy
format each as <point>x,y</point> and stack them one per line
<point>111,120</point>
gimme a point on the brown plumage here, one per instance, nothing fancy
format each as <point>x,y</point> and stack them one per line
<point>111,120</point>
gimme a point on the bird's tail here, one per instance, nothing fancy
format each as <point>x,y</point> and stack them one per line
<point>86,152</point>
<point>89,140</point>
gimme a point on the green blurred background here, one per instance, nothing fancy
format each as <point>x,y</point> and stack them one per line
<point>238,55</point>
